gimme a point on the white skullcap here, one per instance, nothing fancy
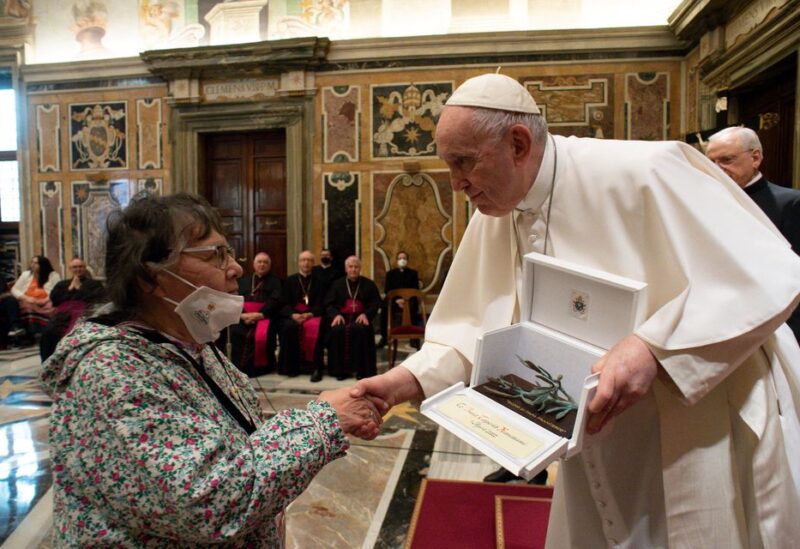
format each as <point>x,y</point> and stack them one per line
<point>494,91</point>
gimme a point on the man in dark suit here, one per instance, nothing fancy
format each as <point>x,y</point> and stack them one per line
<point>255,338</point>
<point>399,277</point>
<point>326,272</point>
<point>737,151</point>
<point>303,331</point>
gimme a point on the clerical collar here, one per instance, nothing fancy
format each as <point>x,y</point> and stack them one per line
<point>756,178</point>
<point>544,180</point>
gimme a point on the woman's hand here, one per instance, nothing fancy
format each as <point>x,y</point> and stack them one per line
<point>357,416</point>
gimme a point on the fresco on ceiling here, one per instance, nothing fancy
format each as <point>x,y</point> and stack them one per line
<point>15,9</point>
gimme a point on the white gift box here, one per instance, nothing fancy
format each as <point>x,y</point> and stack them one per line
<point>572,315</point>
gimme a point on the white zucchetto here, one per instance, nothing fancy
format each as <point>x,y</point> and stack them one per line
<point>494,91</point>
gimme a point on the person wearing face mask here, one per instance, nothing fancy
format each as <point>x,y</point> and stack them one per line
<point>326,272</point>
<point>400,277</point>
<point>156,438</point>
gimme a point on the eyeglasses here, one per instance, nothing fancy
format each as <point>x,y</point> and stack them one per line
<point>222,252</point>
<point>731,158</point>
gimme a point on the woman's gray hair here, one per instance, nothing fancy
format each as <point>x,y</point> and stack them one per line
<point>150,234</point>
<point>493,124</point>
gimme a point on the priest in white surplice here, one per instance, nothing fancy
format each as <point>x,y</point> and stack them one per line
<point>704,443</point>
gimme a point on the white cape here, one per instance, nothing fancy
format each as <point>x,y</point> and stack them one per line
<point>703,459</point>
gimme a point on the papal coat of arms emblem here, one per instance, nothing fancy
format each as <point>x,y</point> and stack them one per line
<point>98,136</point>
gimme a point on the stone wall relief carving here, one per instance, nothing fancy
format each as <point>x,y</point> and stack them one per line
<point>404,118</point>
<point>647,106</point>
<point>751,17</point>
<point>91,204</point>
<point>575,105</point>
<point>341,121</point>
<point>98,138</point>
<point>412,212</point>
<point>150,185</point>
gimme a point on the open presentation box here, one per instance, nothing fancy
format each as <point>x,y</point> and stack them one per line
<point>572,316</point>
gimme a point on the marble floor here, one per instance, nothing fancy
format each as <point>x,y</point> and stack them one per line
<point>365,499</point>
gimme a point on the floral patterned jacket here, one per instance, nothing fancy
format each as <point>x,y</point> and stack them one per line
<point>144,455</point>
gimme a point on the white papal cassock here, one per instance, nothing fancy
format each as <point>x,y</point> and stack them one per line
<point>712,456</point>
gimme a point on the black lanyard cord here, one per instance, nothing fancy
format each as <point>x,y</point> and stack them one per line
<point>220,395</point>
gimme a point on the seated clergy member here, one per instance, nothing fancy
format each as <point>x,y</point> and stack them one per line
<point>352,303</point>
<point>398,278</point>
<point>255,338</point>
<point>326,271</point>
<point>71,298</point>
<point>301,314</point>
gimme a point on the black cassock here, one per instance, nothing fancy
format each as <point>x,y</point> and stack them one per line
<point>300,294</point>
<point>782,206</point>
<point>266,290</point>
<point>351,346</point>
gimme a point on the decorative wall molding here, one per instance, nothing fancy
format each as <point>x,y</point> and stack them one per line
<point>647,106</point>
<point>91,204</point>
<point>341,213</point>
<point>552,42</point>
<point>341,123</point>
<point>413,212</point>
<point>148,128</point>
<point>48,137</point>
<point>52,220</point>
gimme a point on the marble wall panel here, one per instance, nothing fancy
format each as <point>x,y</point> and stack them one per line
<point>692,92</point>
<point>98,136</point>
<point>575,105</point>
<point>404,118</point>
<point>92,203</point>
<point>150,185</point>
<point>48,137</point>
<point>341,120</point>
<point>414,213</point>
<point>341,201</point>
<point>647,105</point>
<point>148,126</point>
<point>52,219</point>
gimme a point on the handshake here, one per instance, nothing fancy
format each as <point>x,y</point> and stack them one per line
<point>361,408</point>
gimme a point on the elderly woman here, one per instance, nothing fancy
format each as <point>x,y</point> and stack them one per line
<point>28,305</point>
<point>156,438</point>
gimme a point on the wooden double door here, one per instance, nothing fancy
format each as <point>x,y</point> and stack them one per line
<point>245,180</point>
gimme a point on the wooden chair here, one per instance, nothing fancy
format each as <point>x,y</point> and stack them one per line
<point>405,330</point>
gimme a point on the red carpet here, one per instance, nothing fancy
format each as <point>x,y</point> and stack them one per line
<point>455,514</point>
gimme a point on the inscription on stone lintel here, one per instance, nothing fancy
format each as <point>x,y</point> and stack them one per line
<point>249,87</point>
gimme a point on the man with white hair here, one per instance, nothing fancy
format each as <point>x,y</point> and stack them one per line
<point>704,448</point>
<point>351,305</point>
<point>737,151</point>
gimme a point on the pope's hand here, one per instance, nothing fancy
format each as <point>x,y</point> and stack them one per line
<point>626,374</point>
<point>386,390</point>
<point>362,319</point>
<point>337,320</point>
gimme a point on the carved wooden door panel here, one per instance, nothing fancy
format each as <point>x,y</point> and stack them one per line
<point>245,179</point>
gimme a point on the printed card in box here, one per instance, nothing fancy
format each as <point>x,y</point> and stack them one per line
<point>531,382</point>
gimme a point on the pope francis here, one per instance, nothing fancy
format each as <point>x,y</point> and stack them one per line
<point>699,436</point>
